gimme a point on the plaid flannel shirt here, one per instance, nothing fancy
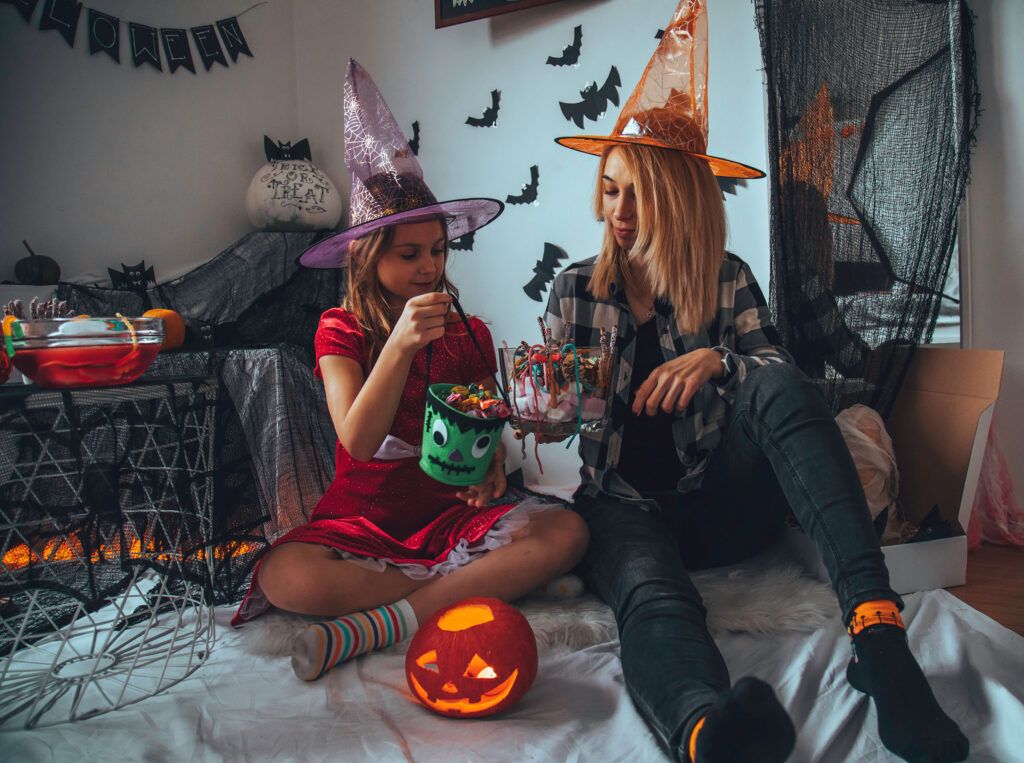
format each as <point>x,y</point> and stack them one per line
<point>742,328</point>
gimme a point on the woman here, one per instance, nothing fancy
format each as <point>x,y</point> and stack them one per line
<point>714,437</point>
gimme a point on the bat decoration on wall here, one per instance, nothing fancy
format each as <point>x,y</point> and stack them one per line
<point>545,271</point>
<point>727,185</point>
<point>529,194</point>
<point>595,100</point>
<point>659,34</point>
<point>490,117</point>
<point>414,141</point>
<point>570,53</point>
<point>285,152</point>
<point>462,243</point>
<point>133,277</point>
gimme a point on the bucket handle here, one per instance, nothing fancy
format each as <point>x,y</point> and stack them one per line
<point>472,336</point>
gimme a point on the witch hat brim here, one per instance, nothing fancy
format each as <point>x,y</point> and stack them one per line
<point>595,144</point>
<point>462,216</point>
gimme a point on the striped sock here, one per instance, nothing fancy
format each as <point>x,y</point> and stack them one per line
<point>324,645</point>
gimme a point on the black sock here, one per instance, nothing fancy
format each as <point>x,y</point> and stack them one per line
<point>748,724</point>
<point>910,721</point>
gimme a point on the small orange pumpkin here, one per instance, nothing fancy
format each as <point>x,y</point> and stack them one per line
<point>174,327</point>
<point>472,659</point>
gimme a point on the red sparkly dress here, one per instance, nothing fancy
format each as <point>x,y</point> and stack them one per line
<point>390,510</point>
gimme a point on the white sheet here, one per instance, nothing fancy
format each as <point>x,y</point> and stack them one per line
<point>240,706</point>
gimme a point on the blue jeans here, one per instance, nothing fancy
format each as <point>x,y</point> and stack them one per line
<point>780,450</point>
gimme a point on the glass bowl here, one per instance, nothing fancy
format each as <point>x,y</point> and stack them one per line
<point>84,352</point>
<point>542,387</point>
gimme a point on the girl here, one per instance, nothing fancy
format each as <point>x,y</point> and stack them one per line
<point>387,545</point>
<point>716,435</point>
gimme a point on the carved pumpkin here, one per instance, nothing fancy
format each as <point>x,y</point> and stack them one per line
<point>472,659</point>
<point>289,193</point>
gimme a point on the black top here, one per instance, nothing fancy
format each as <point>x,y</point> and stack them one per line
<point>650,464</point>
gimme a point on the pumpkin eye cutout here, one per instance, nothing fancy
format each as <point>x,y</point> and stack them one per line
<point>483,442</point>
<point>439,432</point>
<point>478,668</point>
<point>428,661</point>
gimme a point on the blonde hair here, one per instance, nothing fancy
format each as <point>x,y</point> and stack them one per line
<point>680,234</point>
<point>365,298</point>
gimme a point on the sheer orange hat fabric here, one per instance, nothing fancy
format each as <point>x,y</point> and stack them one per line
<point>669,107</point>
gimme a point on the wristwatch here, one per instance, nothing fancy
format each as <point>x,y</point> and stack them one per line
<point>728,364</point>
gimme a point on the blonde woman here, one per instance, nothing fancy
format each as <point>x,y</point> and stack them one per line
<point>715,437</point>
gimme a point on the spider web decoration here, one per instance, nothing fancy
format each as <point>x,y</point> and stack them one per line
<point>105,522</point>
<point>872,111</point>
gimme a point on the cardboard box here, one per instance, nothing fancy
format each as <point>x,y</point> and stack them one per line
<point>939,427</point>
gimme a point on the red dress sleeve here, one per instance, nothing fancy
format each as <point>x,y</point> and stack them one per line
<point>339,334</point>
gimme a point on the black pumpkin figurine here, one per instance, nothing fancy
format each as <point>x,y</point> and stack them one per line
<point>36,269</point>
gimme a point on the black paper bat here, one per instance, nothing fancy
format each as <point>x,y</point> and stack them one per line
<point>529,194</point>
<point>727,185</point>
<point>545,271</point>
<point>462,243</point>
<point>595,100</point>
<point>571,52</point>
<point>414,142</point>
<point>659,34</point>
<point>490,117</point>
<point>132,277</point>
<point>281,152</point>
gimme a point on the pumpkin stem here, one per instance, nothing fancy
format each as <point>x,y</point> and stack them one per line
<point>29,248</point>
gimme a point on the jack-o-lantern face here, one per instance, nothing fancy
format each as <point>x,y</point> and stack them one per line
<point>475,658</point>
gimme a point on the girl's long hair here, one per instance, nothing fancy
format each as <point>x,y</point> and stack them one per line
<point>680,235</point>
<point>366,299</point>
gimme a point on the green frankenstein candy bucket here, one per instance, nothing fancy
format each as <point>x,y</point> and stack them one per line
<point>457,448</point>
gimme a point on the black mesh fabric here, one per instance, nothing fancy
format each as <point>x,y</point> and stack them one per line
<point>872,108</point>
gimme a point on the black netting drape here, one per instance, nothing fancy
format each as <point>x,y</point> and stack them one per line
<point>252,293</point>
<point>872,107</point>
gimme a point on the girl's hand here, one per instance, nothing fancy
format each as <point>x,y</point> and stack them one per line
<point>493,484</point>
<point>672,385</point>
<point>422,321</point>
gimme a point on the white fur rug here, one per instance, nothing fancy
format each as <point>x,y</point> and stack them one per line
<point>770,593</point>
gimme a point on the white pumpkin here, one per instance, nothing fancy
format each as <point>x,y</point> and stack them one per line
<point>292,194</point>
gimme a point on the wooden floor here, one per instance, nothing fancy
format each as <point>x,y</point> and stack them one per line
<point>995,584</point>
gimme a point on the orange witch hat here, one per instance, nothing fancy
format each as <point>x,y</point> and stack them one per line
<point>669,107</point>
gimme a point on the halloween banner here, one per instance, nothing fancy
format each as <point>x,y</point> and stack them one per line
<point>145,44</point>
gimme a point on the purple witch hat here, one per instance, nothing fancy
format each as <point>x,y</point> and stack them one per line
<point>387,181</point>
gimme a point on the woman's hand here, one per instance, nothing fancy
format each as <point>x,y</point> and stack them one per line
<point>672,385</point>
<point>422,321</point>
<point>493,484</point>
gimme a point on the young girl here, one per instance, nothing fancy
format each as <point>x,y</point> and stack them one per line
<point>387,545</point>
<point>716,436</point>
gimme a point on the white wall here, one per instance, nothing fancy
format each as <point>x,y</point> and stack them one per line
<point>994,230</point>
<point>440,77</point>
<point>105,163</point>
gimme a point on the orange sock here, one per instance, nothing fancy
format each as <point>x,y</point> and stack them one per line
<point>873,613</point>
<point>693,738</point>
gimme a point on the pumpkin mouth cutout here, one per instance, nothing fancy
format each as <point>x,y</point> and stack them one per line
<point>464,705</point>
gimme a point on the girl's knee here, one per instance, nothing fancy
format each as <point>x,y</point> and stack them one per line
<point>284,576</point>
